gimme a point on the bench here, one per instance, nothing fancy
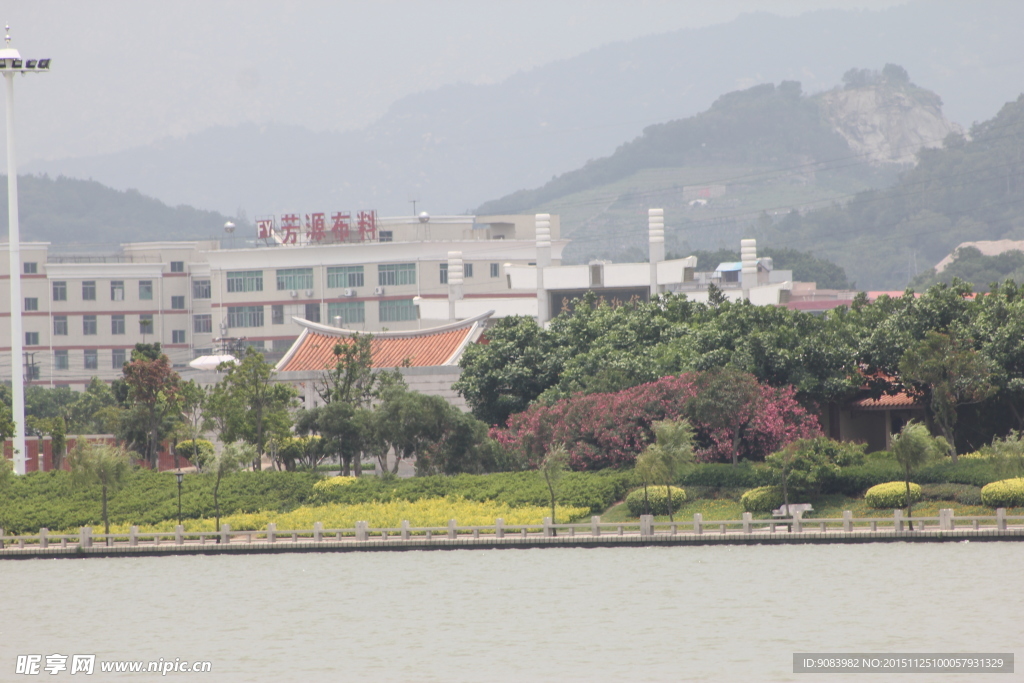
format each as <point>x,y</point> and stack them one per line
<point>794,508</point>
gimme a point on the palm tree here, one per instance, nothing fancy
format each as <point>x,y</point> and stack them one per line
<point>104,465</point>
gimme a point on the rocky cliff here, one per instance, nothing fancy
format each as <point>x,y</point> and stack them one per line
<point>885,123</point>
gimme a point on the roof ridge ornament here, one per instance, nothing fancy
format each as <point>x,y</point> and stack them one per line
<point>7,37</point>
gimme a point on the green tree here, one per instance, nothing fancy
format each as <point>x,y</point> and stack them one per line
<point>726,400</point>
<point>805,465</point>
<point>230,459</point>
<point>664,460</point>
<point>56,429</point>
<point>952,374</point>
<point>552,468</point>
<point>913,447</point>
<point>152,389</point>
<point>248,405</point>
<point>100,465</point>
<point>95,410</point>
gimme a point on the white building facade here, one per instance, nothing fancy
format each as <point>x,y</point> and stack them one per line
<point>82,315</point>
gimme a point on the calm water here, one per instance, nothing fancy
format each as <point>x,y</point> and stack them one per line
<point>665,614</point>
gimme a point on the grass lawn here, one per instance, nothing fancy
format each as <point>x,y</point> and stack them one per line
<point>825,507</point>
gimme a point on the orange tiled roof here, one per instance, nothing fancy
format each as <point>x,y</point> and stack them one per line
<point>314,349</point>
<point>885,402</point>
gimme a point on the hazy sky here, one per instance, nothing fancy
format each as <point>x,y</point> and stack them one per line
<point>127,73</point>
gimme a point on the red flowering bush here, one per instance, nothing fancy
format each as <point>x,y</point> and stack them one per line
<point>611,429</point>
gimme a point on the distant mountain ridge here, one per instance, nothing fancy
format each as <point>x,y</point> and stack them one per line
<point>455,147</point>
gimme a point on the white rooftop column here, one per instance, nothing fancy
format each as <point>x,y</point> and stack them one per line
<point>455,280</point>
<point>656,244</point>
<point>748,255</point>
<point>543,232</point>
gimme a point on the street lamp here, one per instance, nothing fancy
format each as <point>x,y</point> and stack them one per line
<point>11,63</point>
<point>180,476</point>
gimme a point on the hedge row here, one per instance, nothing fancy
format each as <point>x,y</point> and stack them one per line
<point>48,499</point>
<point>596,491</point>
<point>657,498</point>
<point>891,495</point>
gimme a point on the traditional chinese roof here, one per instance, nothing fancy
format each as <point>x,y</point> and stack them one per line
<point>314,347</point>
<point>886,402</point>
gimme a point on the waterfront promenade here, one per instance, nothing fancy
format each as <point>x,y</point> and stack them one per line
<point>593,534</point>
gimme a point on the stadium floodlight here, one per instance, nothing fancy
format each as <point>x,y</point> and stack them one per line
<point>11,63</point>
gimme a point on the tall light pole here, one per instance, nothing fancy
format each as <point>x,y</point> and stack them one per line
<point>11,63</point>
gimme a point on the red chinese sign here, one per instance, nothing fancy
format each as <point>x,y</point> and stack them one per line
<point>314,229</point>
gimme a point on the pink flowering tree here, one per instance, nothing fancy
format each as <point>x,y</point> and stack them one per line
<point>611,429</point>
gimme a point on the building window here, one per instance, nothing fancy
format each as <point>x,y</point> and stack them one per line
<point>60,359</point>
<point>313,313</point>
<point>60,325</point>
<point>348,277</point>
<point>245,316</point>
<point>386,236</point>
<point>31,339</point>
<point>494,270</point>
<point>277,314</point>
<point>294,278</point>
<point>117,290</point>
<point>245,281</point>
<point>397,310</point>
<point>346,312</point>
<point>60,290</point>
<point>117,324</point>
<point>88,324</point>
<point>117,358</point>
<point>146,290</point>
<point>177,266</point>
<point>31,267</point>
<point>444,273</point>
<point>177,336</point>
<point>88,290</point>
<point>178,303</point>
<point>394,274</point>
<point>202,324</point>
<point>31,303</point>
<point>467,270</point>
<point>146,323</point>
<point>201,289</point>
<point>92,359</point>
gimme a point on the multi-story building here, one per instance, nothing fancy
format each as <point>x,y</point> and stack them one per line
<point>82,315</point>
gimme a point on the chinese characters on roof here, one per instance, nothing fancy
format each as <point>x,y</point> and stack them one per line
<point>318,228</point>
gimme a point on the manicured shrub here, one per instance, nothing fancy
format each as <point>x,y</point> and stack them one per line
<point>1004,494</point>
<point>722,475</point>
<point>853,481</point>
<point>762,499</point>
<point>973,471</point>
<point>658,499</point>
<point>965,494</point>
<point>891,495</point>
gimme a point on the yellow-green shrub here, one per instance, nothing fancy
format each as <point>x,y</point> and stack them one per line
<point>325,487</point>
<point>657,496</point>
<point>891,495</point>
<point>421,513</point>
<point>1004,494</point>
<point>762,499</point>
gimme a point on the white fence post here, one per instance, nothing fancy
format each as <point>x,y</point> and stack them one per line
<point>847,521</point>
<point>547,527</point>
<point>85,537</point>
<point>945,519</point>
<point>361,534</point>
<point>897,516</point>
<point>179,535</point>
<point>43,540</point>
<point>698,523</point>
<point>499,528</point>
<point>646,525</point>
<point>225,530</point>
<point>595,525</point>
<point>1001,519</point>
<point>451,528</point>
<point>133,535</point>
<point>747,517</point>
<point>405,530</point>
<point>798,522</point>
<point>1,538</point>
<point>271,532</point>
<point>318,532</point>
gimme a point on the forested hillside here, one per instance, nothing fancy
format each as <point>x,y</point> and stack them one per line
<point>69,211</point>
<point>971,189</point>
